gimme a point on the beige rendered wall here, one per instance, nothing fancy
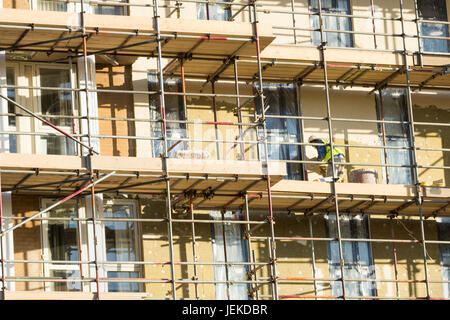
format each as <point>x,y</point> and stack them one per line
<point>200,108</point>
<point>294,257</point>
<point>156,249</point>
<point>410,264</point>
<point>432,107</point>
<point>349,104</point>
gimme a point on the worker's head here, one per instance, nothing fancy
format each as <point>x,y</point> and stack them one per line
<point>314,139</point>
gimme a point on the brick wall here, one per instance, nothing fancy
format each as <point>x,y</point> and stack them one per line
<point>27,242</point>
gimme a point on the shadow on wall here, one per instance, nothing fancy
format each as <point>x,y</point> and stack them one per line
<point>116,106</point>
<point>434,114</point>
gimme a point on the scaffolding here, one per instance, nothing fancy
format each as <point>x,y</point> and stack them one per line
<point>255,191</point>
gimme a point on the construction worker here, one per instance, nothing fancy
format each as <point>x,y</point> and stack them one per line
<point>324,154</point>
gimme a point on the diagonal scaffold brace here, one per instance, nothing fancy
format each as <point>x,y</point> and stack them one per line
<point>48,123</point>
<point>57,203</point>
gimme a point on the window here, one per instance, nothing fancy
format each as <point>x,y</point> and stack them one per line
<point>444,250</point>
<point>206,11</point>
<point>121,243</point>
<point>117,242</point>
<point>357,256</point>
<point>229,246</point>
<point>11,81</point>
<point>49,5</point>
<point>434,10</point>
<point>281,100</point>
<point>334,39</point>
<point>174,111</point>
<point>60,243</point>
<point>392,105</point>
<point>56,103</point>
<point>116,10</point>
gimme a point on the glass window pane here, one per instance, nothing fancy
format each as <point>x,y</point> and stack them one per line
<point>120,235</point>
<point>444,249</point>
<point>56,102</point>
<point>393,105</point>
<point>231,236</point>
<point>435,10</point>
<point>11,80</point>
<point>213,11</point>
<point>58,145</point>
<point>63,235</point>
<point>281,100</point>
<point>334,39</point>
<point>116,10</point>
<point>48,5</point>
<point>66,286</point>
<point>357,256</point>
<point>174,111</point>
<point>123,286</point>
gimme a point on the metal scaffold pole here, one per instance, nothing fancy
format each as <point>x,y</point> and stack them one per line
<point>322,49</point>
<point>194,243</point>
<point>90,154</point>
<point>265,160</point>
<point>419,197</point>
<point>2,247</point>
<point>165,154</point>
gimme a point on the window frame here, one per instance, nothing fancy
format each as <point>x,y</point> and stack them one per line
<point>199,10</point>
<point>394,137</point>
<point>86,234</point>
<point>122,267</point>
<point>427,42</point>
<point>38,125</point>
<point>48,267</point>
<point>445,269</point>
<point>371,266</point>
<point>244,251</point>
<point>13,128</point>
<point>283,151</point>
<point>76,7</point>
<point>351,36</point>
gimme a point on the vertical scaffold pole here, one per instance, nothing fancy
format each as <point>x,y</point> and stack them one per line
<point>225,256</point>
<point>91,171</point>
<point>330,134</point>
<point>394,256</point>
<point>165,155</point>
<point>194,243</point>
<point>419,37</point>
<point>94,223</point>
<point>383,133</point>
<point>372,12</point>
<point>80,250</point>
<point>301,124</point>
<point>414,150</point>
<point>293,20</point>
<point>313,256</point>
<point>216,128</point>
<point>265,161</point>
<point>183,90</point>
<point>241,154</point>
<point>2,248</point>
<point>249,247</point>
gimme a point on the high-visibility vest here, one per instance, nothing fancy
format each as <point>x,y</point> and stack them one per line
<point>336,152</point>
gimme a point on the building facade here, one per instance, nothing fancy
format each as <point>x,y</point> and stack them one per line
<point>161,149</point>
